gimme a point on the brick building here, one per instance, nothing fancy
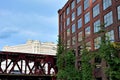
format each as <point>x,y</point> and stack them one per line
<point>81,18</point>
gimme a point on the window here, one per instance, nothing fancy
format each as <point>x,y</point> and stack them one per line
<point>73,28</point>
<point>87,31</point>
<point>78,1</point>
<point>68,43</point>
<point>80,36</point>
<point>119,31</point>
<point>68,10</point>
<point>88,46</point>
<point>68,21</point>
<point>68,32</point>
<point>86,4</point>
<point>118,10</point>
<point>110,35</point>
<point>73,40</point>
<point>73,5</point>
<point>106,4</point>
<point>97,42</point>
<point>93,0</point>
<point>79,22</point>
<point>96,10</point>
<point>108,19</point>
<point>87,17</point>
<point>78,10</point>
<point>96,26</point>
<point>73,16</point>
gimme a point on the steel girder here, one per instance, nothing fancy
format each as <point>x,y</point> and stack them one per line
<point>27,64</point>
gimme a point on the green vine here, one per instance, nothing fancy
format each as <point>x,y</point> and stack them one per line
<point>86,66</point>
<point>110,54</point>
<point>107,51</point>
<point>66,64</point>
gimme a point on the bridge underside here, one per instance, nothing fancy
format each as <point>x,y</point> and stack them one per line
<point>33,66</point>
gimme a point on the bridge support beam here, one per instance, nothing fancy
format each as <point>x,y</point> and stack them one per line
<point>27,64</point>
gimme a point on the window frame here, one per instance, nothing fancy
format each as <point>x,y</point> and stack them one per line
<point>86,31</point>
<point>73,4</point>
<point>97,42</point>
<point>73,28</point>
<point>118,12</point>
<point>79,23</point>
<point>96,10</point>
<point>87,17</point>
<point>67,10</point>
<point>68,21</point>
<point>80,36</point>
<point>86,4</point>
<point>79,10</point>
<point>73,16</point>
<point>96,25</point>
<point>106,4</point>
<point>110,35</point>
<point>108,19</point>
<point>78,1</point>
<point>73,40</point>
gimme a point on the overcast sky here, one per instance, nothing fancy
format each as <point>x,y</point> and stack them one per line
<point>22,20</point>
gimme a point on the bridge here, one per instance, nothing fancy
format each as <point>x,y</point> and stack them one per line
<point>27,66</point>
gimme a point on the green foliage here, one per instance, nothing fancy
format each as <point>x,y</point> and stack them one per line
<point>86,65</point>
<point>107,51</point>
<point>60,47</point>
<point>66,64</point>
<point>60,62</point>
<point>72,72</point>
<point>110,54</point>
<point>66,67</point>
<point>69,59</point>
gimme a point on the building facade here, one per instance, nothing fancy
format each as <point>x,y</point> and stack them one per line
<point>82,18</point>
<point>34,46</point>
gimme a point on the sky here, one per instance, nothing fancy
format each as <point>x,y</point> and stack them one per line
<point>22,20</point>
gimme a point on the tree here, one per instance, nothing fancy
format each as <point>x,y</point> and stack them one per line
<point>66,64</point>
<point>86,67</point>
<point>110,54</point>
<point>60,60</point>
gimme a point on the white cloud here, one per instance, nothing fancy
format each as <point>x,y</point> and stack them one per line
<point>22,24</point>
<point>30,26</point>
<point>28,17</point>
